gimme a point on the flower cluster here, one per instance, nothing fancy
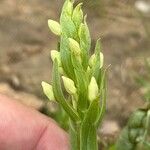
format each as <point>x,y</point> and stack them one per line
<point>83,76</point>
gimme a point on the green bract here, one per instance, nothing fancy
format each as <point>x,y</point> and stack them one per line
<point>83,77</point>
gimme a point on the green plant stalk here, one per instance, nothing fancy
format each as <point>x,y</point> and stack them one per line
<point>83,77</point>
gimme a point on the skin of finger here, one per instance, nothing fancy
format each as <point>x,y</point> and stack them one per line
<point>23,128</point>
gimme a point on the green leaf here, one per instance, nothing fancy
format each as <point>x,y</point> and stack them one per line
<point>88,123</point>
<point>82,91</point>
<point>133,133</point>
<point>103,97</point>
<point>65,55</point>
<point>102,80</point>
<point>67,25</point>
<point>73,137</point>
<point>124,143</point>
<point>92,112</point>
<point>85,43</point>
<point>97,48</point>
<point>82,85</point>
<point>136,118</point>
<point>77,16</point>
<point>96,67</point>
<point>59,94</point>
<point>92,139</point>
<point>84,132</point>
<point>67,7</point>
<point>102,107</point>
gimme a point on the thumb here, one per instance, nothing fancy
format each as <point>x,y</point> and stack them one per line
<point>23,128</point>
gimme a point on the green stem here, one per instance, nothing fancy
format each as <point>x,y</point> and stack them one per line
<point>88,138</point>
<point>74,136</point>
<point>77,142</point>
<point>92,139</point>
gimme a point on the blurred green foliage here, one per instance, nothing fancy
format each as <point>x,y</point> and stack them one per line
<point>136,134</point>
<point>144,80</point>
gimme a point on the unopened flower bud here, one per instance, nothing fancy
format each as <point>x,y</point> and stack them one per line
<point>84,34</point>
<point>74,46</point>
<point>92,89</point>
<point>56,55</point>
<point>68,7</point>
<point>101,60</point>
<point>54,27</point>
<point>61,70</point>
<point>88,71</point>
<point>69,85</point>
<point>92,60</point>
<point>48,90</point>
<point>77,15</point>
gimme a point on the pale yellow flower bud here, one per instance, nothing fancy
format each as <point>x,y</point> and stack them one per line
<point>74,46</point>
<point>101,60</point>
<point>69,85</point>
<point>61,70</point>
<point>54,27</point>
<point>48,90</point>
<point>92,89</point>
<point>56,55</point>
<point>92,60</point>
<point>88,71</point>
